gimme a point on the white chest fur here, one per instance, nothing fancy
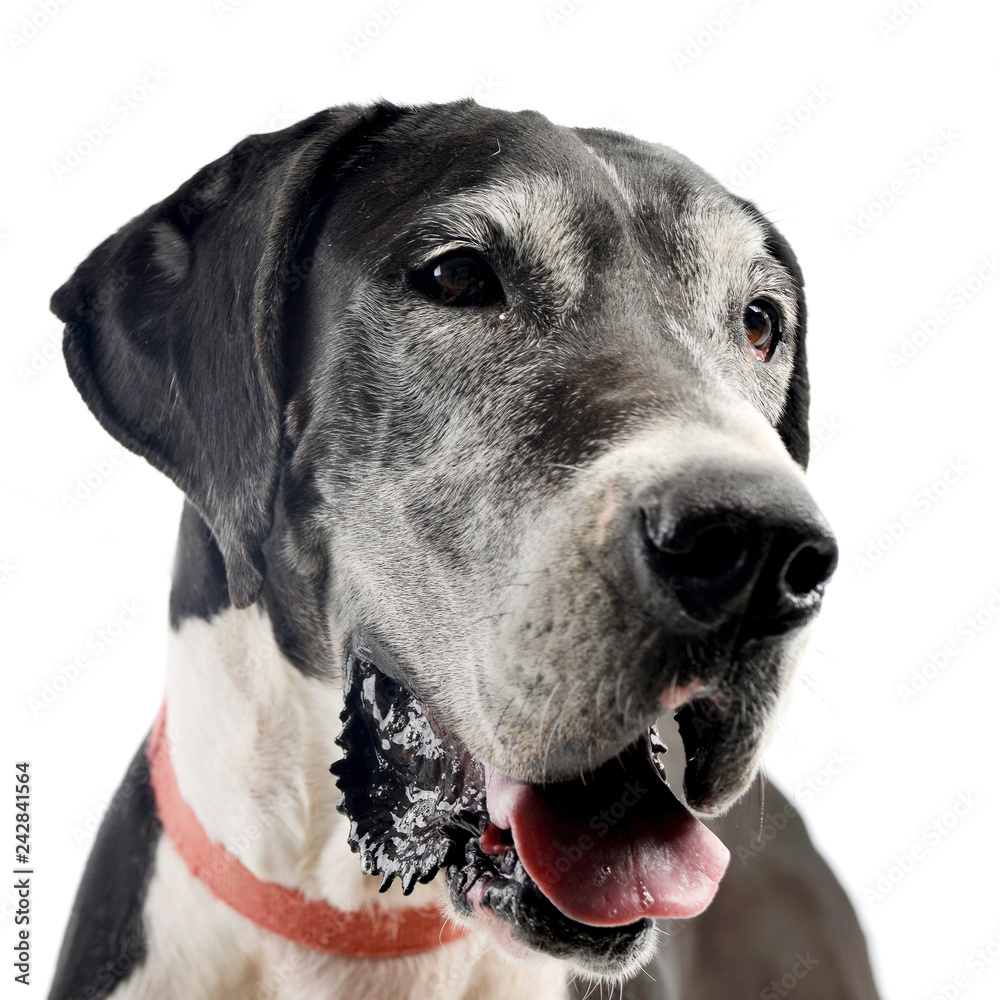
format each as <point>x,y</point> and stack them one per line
<point>251,740</point>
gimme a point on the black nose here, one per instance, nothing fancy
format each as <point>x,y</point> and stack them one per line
<point>748,542</point>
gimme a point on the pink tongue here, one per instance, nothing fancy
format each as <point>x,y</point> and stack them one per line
<point>613,849</point>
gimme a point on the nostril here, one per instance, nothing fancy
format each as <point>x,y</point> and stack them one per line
<point>809,567</point>
<point>705,551</point>
<point>716,551</point>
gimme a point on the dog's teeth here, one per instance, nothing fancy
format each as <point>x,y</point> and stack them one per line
<point>507,862</point>
<point>386,881</point>
<point>408,881</point>
<point>656,747</point>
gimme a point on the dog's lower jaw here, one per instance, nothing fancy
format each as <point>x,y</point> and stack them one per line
<point>250,739</point>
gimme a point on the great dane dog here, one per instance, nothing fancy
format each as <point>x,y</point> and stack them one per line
<point>492,436</point>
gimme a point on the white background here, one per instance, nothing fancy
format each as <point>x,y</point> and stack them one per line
<point>882,95</point>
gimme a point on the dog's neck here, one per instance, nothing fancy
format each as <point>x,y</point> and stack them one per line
<point>251,737</point>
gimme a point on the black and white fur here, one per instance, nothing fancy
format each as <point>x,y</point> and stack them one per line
<point>461,483</point>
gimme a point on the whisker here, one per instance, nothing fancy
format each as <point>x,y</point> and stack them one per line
<point>555,728</point>
<point>541,723</point>
<point>618,691</point>
<point>763,786</point>
<point>496,728</point>
<point>628,701</point>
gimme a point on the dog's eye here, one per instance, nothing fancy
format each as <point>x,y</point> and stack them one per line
<point>461,279</point>
<point>763,326</point>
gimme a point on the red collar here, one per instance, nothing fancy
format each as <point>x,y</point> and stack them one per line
<point>371,932</point>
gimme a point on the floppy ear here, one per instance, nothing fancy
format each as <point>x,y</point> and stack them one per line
<point>794,423</point>
<point>793,427</point>
<point>174,324</point>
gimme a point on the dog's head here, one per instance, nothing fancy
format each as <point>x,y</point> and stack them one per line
<point>510,419</point>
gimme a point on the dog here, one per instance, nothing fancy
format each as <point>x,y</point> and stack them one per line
<point>492,437</point>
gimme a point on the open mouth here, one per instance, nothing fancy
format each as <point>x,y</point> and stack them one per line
<point>576,869</point>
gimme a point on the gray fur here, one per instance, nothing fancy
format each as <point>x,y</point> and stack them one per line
<point>471,486</point>
<point>457,514</point>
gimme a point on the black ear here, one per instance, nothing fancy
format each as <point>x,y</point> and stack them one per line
<point>794,423</point>
<point>174,324</point>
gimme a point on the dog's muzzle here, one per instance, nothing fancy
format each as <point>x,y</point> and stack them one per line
<point>573,868</point>
<point>721,561</point>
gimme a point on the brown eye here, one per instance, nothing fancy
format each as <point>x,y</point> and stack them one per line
<point>461,279</point>
<point>763,327</point>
